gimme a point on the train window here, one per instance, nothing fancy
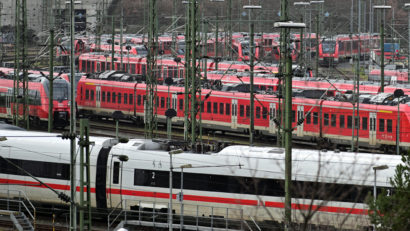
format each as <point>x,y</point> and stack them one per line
<point>264,113</point>
<point>92,94</point>
<point>221,108</point>
<point>114,98</point>
<point>131,97</point>
<point>175,72</point>
<point>308,118</point>
<point>119,98</point>
<point>139,99</point>
<point>92,67</point>
<point>116,173</point>
<point>162,102</point>
<point>181,104</point>
<point>103,96</point>
<point>103,66</point>
<point>342,121</point>
<point>181,73</point>
<point>83,65</point>
<point>208,107</point>
<point>108,97</point>
<point>381,125</point>
<point>124,67</point>
<point>133,68</point>
<point>171,72</point>
<point>157,101</point>
<point>258,112</point>
<point>315,117</point>
<point>241,111</point>
<point>87,94</point>
<point>326,119</point>
<point>364,123</point>
<point>389,126</point>
<point>125,98</point>
<point>87,69</point>
<point>248,111</point>
<point>293,116</point>
<point>164,72</point>
<point>202,106</point>
<point>215,108</point>
<point>349,121</point>
<point>333,120</point>
<point>227,109</point>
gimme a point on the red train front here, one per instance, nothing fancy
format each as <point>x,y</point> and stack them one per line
<point>38,93</point>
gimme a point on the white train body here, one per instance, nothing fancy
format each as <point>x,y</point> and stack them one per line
<point>334,184</point>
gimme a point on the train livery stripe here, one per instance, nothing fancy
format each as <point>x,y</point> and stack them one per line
<point>221,200</point>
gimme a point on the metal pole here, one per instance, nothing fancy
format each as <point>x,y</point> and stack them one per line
<point>216,40</point>
<point>51,80</point>
<point>73,207</point>
<point>170,194</point>
<point>121,33</point>
<point>288,135</point>
<point>408,49</point>
<point>193,71</point>
<point>112,42</point>
<point>182,200</point>
<point>382,56</point>
<point>317,42</point>
<point>398,128</point>
<point>285,32</point>
<point>174,33</point>
<point>252,99</point>
<point>17,66</point>
<point>374,193</point>
<point>230,29</point>
<point>351,18</point>
<point>169,119</point>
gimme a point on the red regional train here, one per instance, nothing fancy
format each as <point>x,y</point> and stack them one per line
<point>326,120</point>
<point>335,50</point>
<point>98,62</point>
<point>270,83</point>
<point>391,76</point>
<point>38,93</point>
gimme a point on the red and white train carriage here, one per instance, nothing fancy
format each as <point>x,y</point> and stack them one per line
<point>333,184</point>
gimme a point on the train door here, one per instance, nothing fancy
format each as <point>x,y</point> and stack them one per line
<point>234,119</point>
<point>299,130</point>
<point>114,180</point>
<point>174,104</point>
<point>98,96</point>
<point>8,102</point>
<point>272,115</point>
<point>372,128</point>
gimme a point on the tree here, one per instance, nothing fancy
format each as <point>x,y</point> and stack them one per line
<point>391,211</point>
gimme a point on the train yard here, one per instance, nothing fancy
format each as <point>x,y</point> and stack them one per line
<point>203,121</point>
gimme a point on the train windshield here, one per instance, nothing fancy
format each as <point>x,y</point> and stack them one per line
<point>61,90</point>
<point>181,47</point>
<point>245,48</point>
<point>328,47</point>
<point>142,50</point>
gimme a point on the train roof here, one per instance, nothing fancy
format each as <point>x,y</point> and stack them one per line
<point>267,162</point>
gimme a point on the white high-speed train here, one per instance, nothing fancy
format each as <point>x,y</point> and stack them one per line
<point>239,177</point>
